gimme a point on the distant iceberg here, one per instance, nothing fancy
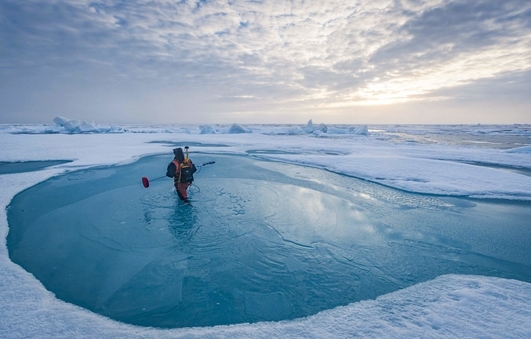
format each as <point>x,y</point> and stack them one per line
<point>310,128</point>
<point>60,121</point>
<point>206,129</point>
<point>361,130</point>
<point>78,126</point>
<point>235,129</point>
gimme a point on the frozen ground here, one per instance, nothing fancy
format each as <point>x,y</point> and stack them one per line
<point>447,306</point>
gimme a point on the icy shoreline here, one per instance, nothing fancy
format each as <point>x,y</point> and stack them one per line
<point>427,168</point>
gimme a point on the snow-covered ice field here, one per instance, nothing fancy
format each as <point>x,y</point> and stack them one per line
<point>491,163</point>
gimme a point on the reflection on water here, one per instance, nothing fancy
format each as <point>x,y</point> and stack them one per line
<point>183,224</point>
<point>260,241</point>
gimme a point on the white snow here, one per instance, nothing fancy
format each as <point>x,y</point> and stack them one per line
<point>449,306</point>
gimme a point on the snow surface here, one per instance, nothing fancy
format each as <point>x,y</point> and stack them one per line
<point>448,306</point>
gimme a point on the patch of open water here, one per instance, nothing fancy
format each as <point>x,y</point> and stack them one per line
<point>28,166</point>
<point>261,241</point>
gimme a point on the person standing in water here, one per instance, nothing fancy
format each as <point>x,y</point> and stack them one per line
<point>182,170</point>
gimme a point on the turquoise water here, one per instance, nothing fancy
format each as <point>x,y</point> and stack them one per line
<point>261,241</point>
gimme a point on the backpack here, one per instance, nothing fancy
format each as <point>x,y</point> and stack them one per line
<point>187,172</point>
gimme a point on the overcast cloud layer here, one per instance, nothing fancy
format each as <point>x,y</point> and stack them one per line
<point>351,61</point>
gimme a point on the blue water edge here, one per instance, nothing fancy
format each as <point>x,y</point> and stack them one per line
<point>260,241</point>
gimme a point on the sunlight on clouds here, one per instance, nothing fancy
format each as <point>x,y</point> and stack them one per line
<point>462,70</point>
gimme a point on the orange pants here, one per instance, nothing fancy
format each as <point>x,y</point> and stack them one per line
<point>181,188</point>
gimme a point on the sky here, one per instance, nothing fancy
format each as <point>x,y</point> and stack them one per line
<point>334,61</point>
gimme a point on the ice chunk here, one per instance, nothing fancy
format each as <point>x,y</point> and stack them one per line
<point>310,128</point>
<point>60,121</point>
<point>206,129</point>
<point>362,130</point>
<point>235,129</point>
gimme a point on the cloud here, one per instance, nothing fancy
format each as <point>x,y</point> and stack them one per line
<point>299,53</point>
<point>458,44</point>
